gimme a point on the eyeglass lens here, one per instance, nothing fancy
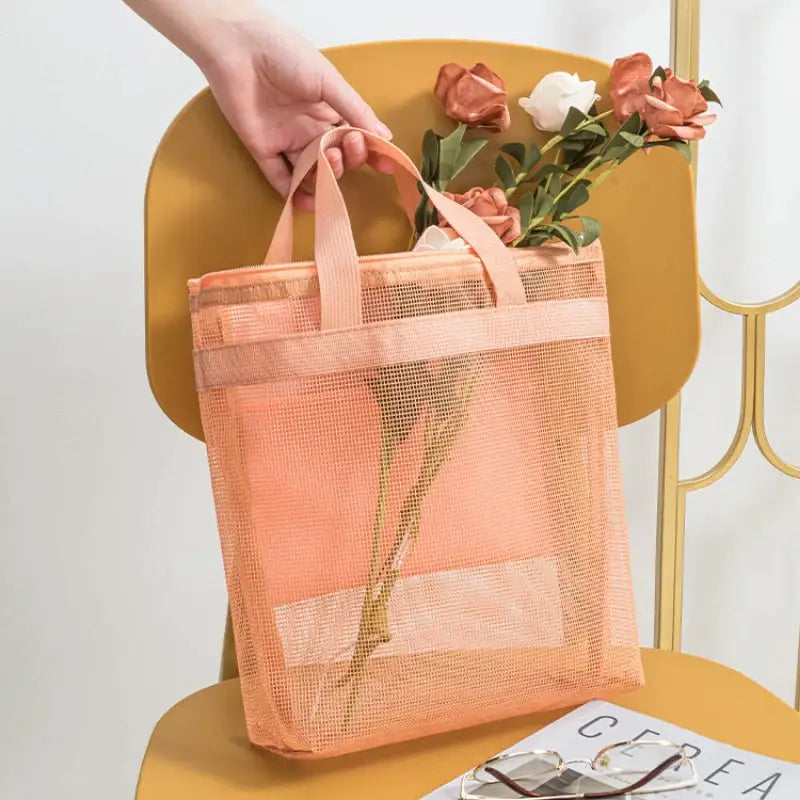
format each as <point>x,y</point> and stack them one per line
<point>621,769</point>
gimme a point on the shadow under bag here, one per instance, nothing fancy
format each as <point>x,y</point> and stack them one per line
<point>416,475</point>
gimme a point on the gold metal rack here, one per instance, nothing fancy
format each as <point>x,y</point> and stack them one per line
<point>672,490</point>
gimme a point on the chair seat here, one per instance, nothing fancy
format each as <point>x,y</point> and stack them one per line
<point>199,749</point>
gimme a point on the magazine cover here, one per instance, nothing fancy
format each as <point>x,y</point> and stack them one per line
<point>723,772</point>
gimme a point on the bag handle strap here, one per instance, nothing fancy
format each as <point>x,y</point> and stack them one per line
<point>335,251</point>
<point>282,244</point>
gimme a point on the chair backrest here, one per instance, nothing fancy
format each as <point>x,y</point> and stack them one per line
<point>208,208</point>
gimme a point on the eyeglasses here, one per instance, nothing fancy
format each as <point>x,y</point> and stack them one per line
<point>626,768</point>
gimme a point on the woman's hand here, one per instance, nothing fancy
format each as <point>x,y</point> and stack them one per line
<point>276,90</point>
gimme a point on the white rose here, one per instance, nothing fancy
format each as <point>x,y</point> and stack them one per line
<point>553,97</point>
<point>434,238</point>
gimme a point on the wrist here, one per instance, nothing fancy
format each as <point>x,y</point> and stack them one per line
<point>208,44</point>
<point>216,31</point>
<point>207,31</point>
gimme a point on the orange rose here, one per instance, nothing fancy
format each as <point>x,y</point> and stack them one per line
<point>630,85</point>
<point>475,96</point>
<point>676,109</point>
<point>492,206</point>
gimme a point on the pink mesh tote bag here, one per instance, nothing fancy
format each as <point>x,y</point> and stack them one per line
<point>416,477</point>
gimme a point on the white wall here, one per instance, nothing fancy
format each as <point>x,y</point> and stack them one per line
<point>110,583</point>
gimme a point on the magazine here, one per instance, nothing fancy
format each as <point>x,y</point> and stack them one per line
<point>725,772</point>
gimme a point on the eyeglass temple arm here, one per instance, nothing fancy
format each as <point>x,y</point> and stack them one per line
<point>511,783</point>
<point>643,781</point>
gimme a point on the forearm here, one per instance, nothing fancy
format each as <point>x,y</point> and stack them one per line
<point>200,28</point>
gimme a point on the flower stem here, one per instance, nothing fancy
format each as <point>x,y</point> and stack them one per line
<point>605,173</point>
<point>550,144</point>
<point>388,448</point>
<point>558,138</point>
<point>595,162</point>
<point>442,428</point>
<point>369,626</point>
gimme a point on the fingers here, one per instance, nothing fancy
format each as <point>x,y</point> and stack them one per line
<point>381,163</point>
<point>352,154</point>
<point>303,200</point>
<point>304,197</point>
<point>349,104</point>
<point>355,150</point>
<point>277,173</point>
<point>322,112</point>
<point>337,161</point>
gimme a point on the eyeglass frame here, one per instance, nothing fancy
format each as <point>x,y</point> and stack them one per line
<point>640,787</point>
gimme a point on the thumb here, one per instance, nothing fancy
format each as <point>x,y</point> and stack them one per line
<point>349,104</point>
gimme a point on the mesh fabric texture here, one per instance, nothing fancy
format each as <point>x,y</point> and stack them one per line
<point>421,517</point>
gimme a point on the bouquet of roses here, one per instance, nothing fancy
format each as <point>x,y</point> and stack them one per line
<point>540,188</point>
<point>536,199</point>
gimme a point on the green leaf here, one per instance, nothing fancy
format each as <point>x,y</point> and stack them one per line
<point>526,211</point>
<point>583,161</point>
<point>468,151</point>
<point>575,196</point>
<point>567,235</point>
<point>675,144</point>
<point>659,72</point>
<point>582,157</point>
<point>596,128</point>
<point>430,146</point>
<point>633,124</point>
<point>618,148</point>
<point>425,169</point>
<point>449,151</point>
<point>617,153</point>
<point>516,150</point>
<point>553,185</point>
<point>536,239</point>
<point>574,118</point>
<point>430,156</point>
<point>533,156</point>
<point>505,173</point>
<point>682,147</point>
<point>591,230</point>
<point>420,215</point>
<point>632,138</point>
<point>545,171</point>
<point>709,94</point>
<point>542,204</point>
<point>573,145</point>
<point>581,135</point>
<point>613,153</point>
<point>594,132</point>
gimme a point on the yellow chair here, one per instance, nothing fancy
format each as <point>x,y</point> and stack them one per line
<point>208,208</point>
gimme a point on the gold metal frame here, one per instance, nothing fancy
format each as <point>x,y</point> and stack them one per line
<point>672,490</point>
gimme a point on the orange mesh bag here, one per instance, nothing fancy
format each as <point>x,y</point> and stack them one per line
<point>416,476</point>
